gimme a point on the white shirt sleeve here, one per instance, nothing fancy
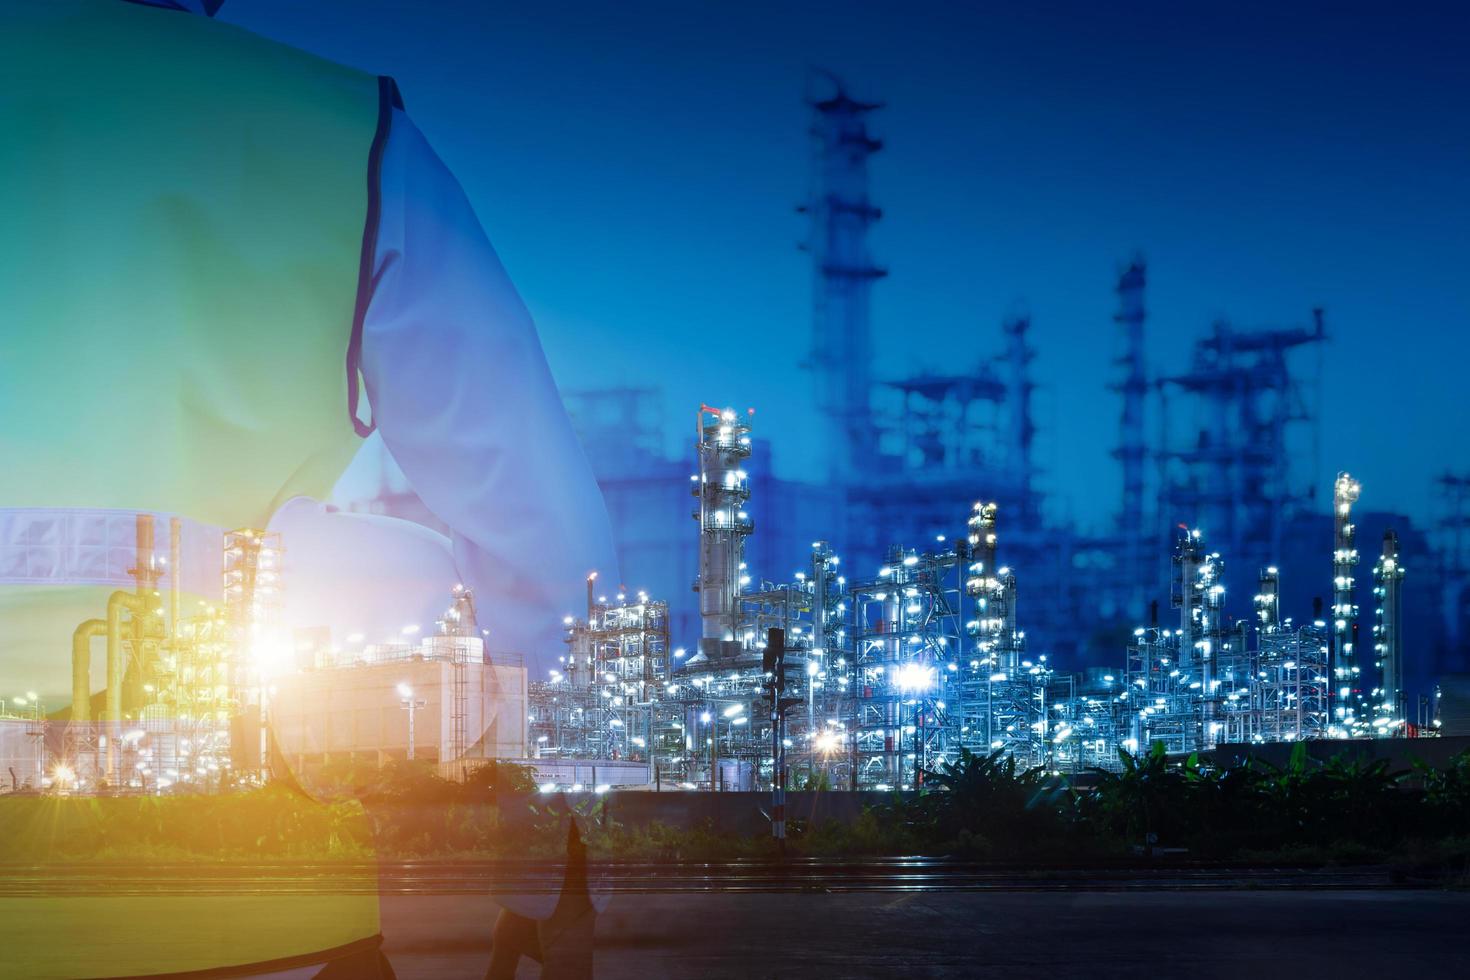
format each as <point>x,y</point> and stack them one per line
<point>461,392</point>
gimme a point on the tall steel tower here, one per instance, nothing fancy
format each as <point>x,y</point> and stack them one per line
<point>722,488</point>
<point>1020,429</point>
<point>1132,450</point>
<point>1234,477</point>
<point>1388,646</point>
<point>1345,670</point>
<point>841,357</point>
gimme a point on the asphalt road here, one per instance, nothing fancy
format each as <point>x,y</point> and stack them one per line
<point>909,918</point>
<point>1085,934</point>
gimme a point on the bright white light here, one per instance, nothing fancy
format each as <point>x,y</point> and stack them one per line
<point>734,710</point>
<point>914,677</point>
<point>404,691</point>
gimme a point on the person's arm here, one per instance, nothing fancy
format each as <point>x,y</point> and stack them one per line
<point>459,388</point>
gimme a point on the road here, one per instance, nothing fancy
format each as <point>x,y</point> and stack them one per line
<point>1084,934</point>
<point>878,918</point>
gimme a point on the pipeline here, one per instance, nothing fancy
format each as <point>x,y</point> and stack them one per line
<point>81,668</point>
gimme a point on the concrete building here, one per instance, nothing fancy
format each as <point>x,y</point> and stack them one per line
<point>462,708</point>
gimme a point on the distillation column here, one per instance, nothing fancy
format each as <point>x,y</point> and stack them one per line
<point>1388,575</point>
<point>1268,600</point>
<point>1199,596</point>
<point>841,357</point>
<point>1211,644</point>
<point>1189,557</point>
<point>1270,701</point>
<point>1344,662</point>
<point>722,487</point>
<point>1020,429</point>
<point>984,586</point>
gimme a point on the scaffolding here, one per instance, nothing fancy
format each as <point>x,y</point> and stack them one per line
<point>252,616</point>
<point>1004,699</point>
<point>1132,451</point>
<point>841,213</point>
<point>1091,720</point>
<point>611,699</point>
<point>1234,480</point>
<point>907,640</point>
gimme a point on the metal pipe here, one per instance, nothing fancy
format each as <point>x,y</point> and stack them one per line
<point>117,604</point>
<point>81,668</point>
<point>145,571</point>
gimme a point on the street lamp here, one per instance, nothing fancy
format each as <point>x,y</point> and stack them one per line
<point>410,704</point>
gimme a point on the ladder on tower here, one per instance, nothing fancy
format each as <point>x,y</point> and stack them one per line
<point>459,713</point>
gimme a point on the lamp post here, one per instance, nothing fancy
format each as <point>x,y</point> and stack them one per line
<point>409,703</point>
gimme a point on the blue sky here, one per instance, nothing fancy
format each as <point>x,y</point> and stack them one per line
<point>637,165</point>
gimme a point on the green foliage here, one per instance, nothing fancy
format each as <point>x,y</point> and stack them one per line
<point>491,778</point>
<point>1447,795</point>
<point>981,807</point>
<point>979,803</point>
<point>1252,806</point>
<point>819,781</point>
<point>262,824</point>
<point>417,813</point>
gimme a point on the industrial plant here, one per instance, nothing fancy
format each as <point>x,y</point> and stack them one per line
<point>1224,608</point>
<point>888,672</point>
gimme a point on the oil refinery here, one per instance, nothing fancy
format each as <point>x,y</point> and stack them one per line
<point>892,672</point>
<point>919,622</point>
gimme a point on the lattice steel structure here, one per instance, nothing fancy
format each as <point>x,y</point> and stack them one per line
<point>907,642</point>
